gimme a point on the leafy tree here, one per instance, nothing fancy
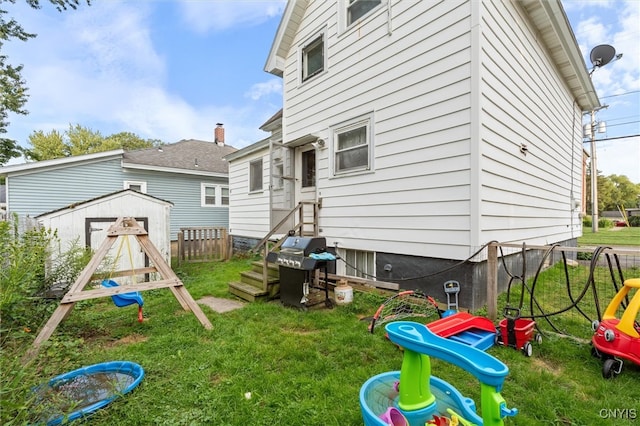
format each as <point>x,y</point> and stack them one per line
<point>13,90</point>
<point>128,141</point>
<point>78,140</point>
<point>613,191</point>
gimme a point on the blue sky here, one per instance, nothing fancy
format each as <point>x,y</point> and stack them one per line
<point>171,69</point>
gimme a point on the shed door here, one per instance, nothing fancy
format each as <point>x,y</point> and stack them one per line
<point>122,255</point>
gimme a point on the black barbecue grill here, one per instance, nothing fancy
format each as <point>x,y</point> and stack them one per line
<point>297,267</point>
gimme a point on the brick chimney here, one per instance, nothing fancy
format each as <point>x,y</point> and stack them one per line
<point>218,134</point>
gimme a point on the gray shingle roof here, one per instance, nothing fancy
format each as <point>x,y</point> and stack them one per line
<point>184,154</point>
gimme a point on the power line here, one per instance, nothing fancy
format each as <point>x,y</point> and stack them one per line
<point>614,138</point>
<point>620,94</point>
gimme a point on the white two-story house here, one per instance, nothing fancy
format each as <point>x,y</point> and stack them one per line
<point>424,130</point>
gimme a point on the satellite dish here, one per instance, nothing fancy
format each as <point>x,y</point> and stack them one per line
<point>601,55</point>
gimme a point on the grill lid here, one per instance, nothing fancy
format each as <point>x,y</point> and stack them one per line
<point>304,245</point>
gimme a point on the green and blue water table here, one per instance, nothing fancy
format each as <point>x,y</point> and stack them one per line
<point>412,397</point>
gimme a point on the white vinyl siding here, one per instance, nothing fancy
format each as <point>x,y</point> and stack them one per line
<point>525,197</point>
<point>249,214</point>
<point>453,89</point>
<point>416,87</point>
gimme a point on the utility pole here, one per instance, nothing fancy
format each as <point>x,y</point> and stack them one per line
<point>600,56</point>
<point>594,176</point>
<point>594,170</point>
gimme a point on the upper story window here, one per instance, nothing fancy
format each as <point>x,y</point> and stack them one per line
<point>358,8</point>
<point>313,58</point>
<point>255,175</point>
<point>309,168</point>
<point>136,186</point>
<point>213,195</point>
<point>353,147</point>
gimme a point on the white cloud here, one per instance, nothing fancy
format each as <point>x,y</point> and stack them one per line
<point>220,15</point>
<point>259,90</point>
<point>97,67</point>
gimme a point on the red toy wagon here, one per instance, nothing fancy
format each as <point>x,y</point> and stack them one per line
<point>517,332</point>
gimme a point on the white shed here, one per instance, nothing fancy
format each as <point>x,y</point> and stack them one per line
<point>86,223</point>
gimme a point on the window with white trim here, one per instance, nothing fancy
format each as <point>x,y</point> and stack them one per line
<point>224,196</point>
<point>255,175</point>
<point>139,186</point>
<point>309,168</point>
<point>352,147</point>
<point>212,195</point>
<point>359,263</point>
<point>356,9</point>
<point>313,58</point>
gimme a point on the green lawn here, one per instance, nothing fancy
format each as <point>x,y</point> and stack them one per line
<point>623,236</point>
<point>266,364</point>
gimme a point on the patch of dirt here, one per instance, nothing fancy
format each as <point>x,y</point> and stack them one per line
<point>544,366</point>
<point>127,340</point>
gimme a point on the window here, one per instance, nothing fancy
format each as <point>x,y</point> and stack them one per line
<point>214,195</point>
<point>209,194</point>
<point>224,196</point>
<point>255,176</point>
<point>313,58</point>
<point>136,186</point>
<point>278,172</point>
<point>358,8</point>
<point>360,264</point>
<point>309,168</point>
<point>352,150</point>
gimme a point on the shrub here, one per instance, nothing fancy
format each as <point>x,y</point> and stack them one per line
<point>603,222</point>
<point>28,273</point>
<point>634,221</point>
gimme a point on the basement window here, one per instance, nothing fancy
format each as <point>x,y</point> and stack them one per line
<point>360,263</point>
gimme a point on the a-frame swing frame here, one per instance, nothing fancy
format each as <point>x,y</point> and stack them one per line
<point>123,227</point>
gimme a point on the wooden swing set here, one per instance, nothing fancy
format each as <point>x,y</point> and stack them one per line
<point>123,227</point>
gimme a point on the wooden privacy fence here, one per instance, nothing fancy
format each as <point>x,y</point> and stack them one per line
<point>202,244</point>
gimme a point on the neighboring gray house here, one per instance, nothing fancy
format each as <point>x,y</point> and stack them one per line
<point>191,174</point>
<point>423,130</point>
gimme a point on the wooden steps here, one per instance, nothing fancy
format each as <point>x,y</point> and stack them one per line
<point>250,287</point>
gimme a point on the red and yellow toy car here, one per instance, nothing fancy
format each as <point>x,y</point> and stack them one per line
<point>615,340</point>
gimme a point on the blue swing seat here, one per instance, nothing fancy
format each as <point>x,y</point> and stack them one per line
<point>124,299</point>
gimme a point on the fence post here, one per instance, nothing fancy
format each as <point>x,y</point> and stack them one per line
<point>492,281</point>
<point>180,247</point>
